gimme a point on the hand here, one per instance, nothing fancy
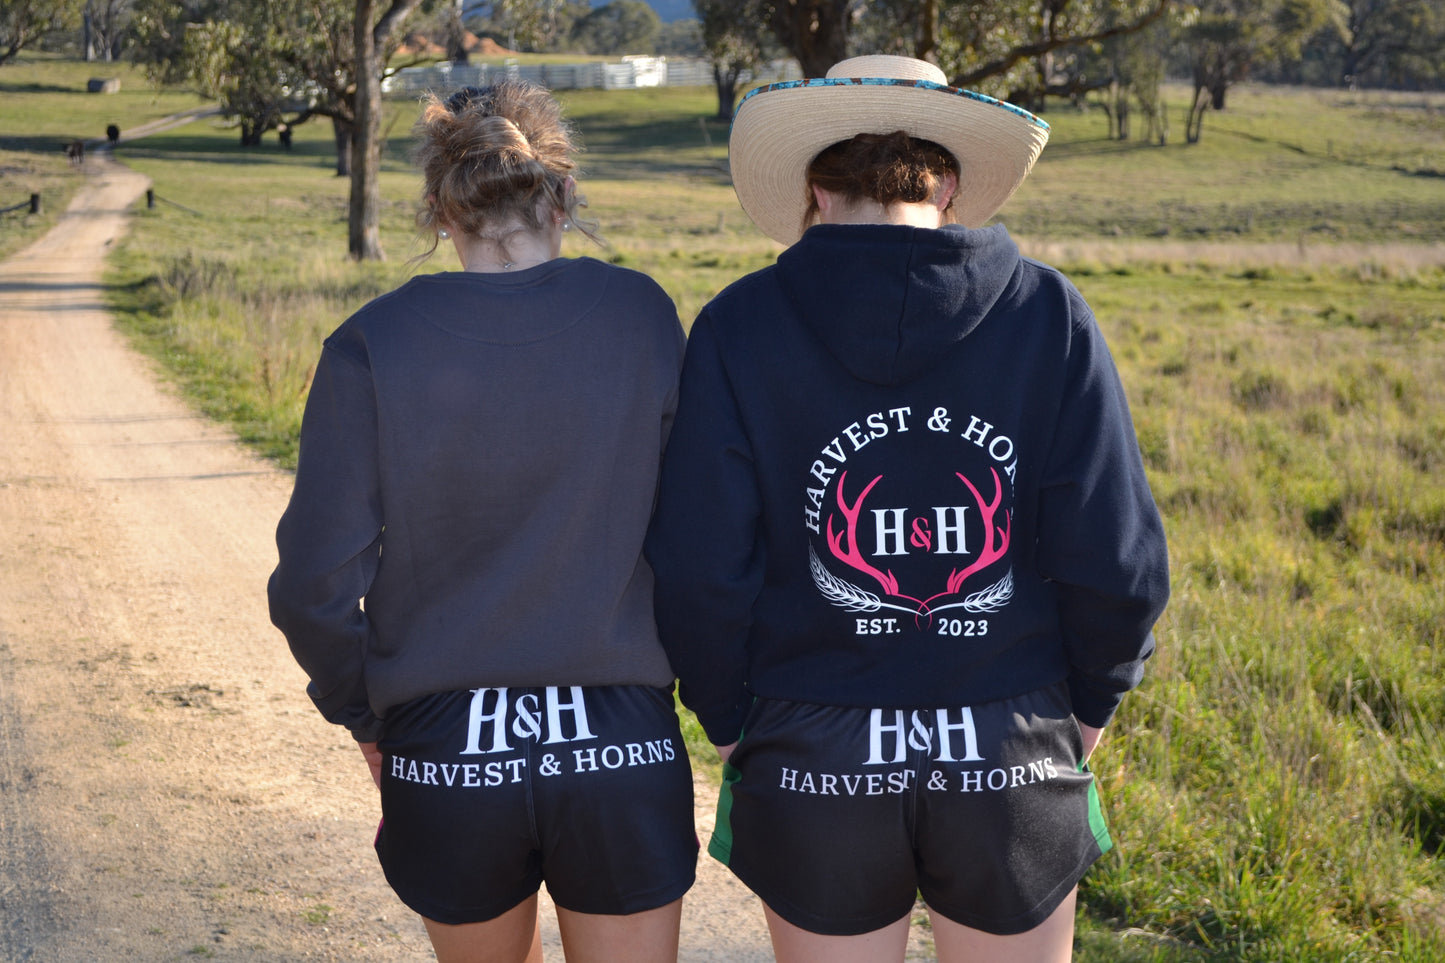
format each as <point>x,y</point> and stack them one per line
<point>723,752</point>
<point>1091,738</point>
<point>373,760</point>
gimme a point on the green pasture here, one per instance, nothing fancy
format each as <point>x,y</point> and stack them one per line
<point>1315,165</point>
<point>43,107</point>
<point>1276,788</point>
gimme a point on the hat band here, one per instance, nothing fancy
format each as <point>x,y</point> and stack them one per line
<point>893,82</point>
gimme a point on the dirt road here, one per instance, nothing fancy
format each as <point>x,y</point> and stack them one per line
<point>167,792</point>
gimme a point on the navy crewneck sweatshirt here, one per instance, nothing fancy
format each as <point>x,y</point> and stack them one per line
<point>479,458</point>
<point>903,474</point>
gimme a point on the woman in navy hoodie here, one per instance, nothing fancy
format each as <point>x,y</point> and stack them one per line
<point>907,560</point>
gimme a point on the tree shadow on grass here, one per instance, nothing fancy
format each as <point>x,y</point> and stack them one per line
<point>33,88</point>
<point>41,143</point>
<point>1097,148</point>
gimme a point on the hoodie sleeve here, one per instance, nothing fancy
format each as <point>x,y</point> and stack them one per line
<point>1100,536</point>
<point>703,545</point>
<point>329,542</point>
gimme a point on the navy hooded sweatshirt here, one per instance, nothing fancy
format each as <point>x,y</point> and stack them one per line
<point>903,474</point>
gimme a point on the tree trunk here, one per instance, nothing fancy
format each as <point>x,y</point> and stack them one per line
<point>1156,116</point>
<point>927,46</point>
<point>341,135</point>
<point>813,31</point>
<point>1195,124</point>
<point>363,233</point>
<point>726,81</point>
<point>364,212</point>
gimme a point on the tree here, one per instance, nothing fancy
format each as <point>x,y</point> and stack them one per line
<point>268,62</point>
<point>232,51</point>
<point>734,37</point>
<point>315,57</point>
<point>1135,67</point>
<point>1378,34</point>
<point>681,38</point>
<point>1229,37</point>
<point>103,28</point>
<point>454,32</point>
<point>619,27</point>
<point>1022,42</point>
<point>815,32</point>
<point>371,37</point>
<point>536,25</point>
<point>319,53</point>
<point>1011,43</point>
<point>24,23</point>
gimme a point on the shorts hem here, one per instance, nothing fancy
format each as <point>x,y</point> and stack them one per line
<point>1022,922</point>
<point>651,900</point>
<point>824,926</point>
<point>459,916</point>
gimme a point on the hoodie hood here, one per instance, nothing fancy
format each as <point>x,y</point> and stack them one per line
<point>887,300</point>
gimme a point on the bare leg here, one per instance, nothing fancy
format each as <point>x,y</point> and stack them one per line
<point>792,944</point>
<point>1052,941</point>
<point>513,937</point>
<point>646,937</point>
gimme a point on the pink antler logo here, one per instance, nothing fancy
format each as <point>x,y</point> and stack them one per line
<point>844,545</point>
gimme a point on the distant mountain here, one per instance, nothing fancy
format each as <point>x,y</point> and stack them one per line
<point>667,10</point>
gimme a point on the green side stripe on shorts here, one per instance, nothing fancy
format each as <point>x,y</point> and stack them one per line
<point>720,846</point>
<point>1097,825</point>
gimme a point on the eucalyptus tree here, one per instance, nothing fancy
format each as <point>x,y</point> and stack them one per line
<point>1011,46</point>
<point>375,32</point>
<point>24,23</point>
<point>1020,49</point>
<point>262,58</point>
<point>1381,38</point>
<point>1228,38</point>
<point>736,40</point>
<point>619,27</point>
<point>104,24</point>
<point>535,25</point>
<point>815,32</point>
<point>226,49</point>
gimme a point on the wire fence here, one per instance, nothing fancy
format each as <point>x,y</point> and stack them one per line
<point>31,206</point>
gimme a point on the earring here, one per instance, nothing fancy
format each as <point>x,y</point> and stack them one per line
<point>444,234</point>
<point>567,224</point>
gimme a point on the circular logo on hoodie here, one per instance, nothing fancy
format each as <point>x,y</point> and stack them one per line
<point>910,520</point>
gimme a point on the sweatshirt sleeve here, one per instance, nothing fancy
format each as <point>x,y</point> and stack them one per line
<point>1101,540</point>
<point>329,542</point>
<point>703,545</point>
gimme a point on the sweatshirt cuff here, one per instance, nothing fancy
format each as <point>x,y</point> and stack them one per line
<point>725,727</point>
<point>1091,707</point>
<point>368,732</point>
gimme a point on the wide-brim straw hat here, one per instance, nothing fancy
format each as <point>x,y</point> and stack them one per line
<point>779,128</point>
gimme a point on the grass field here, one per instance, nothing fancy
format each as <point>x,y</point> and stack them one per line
<point>1276,787</point>
<point>43,107</point>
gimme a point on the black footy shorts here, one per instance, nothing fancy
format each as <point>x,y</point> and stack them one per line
<point>487,793</point>
<point>839,817</point>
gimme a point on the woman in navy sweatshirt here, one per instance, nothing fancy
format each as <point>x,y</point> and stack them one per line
<point>479,458</point>
<point>907,559</point>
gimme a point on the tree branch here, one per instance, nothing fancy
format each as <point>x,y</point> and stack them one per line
<point>1007,62</point>
<point>392,20</point>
